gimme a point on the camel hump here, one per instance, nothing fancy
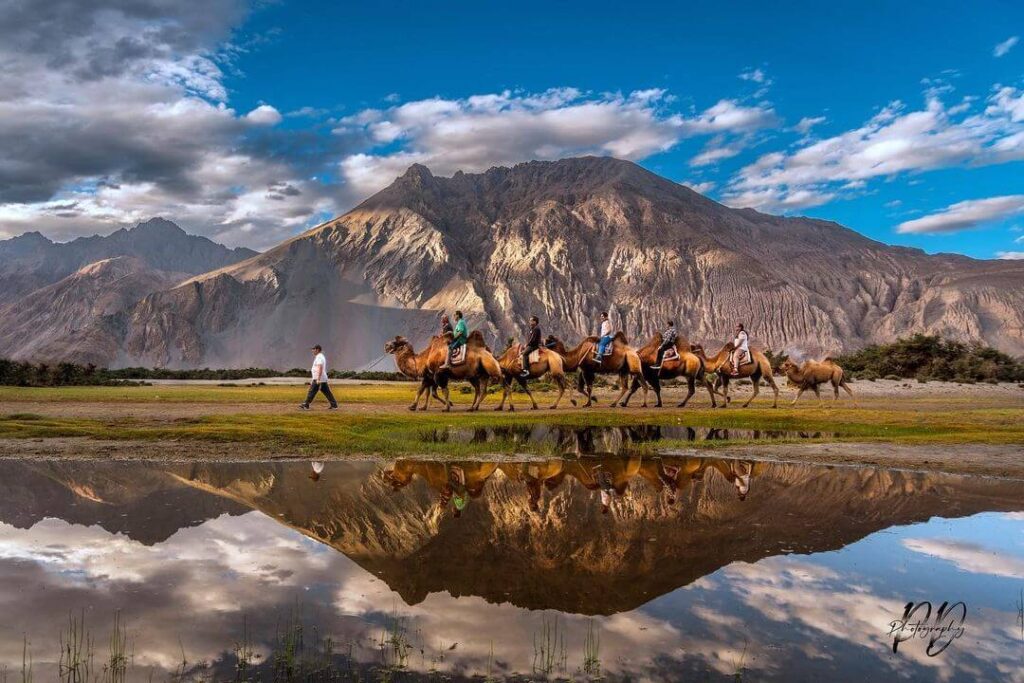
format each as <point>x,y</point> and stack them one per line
<point>475,338</point>
<point>830,360</point>
<point>621,337</point>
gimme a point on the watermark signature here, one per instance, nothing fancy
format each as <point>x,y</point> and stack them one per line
<point>939,627</point>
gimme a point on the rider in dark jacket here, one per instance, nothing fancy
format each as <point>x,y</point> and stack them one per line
<point>532,344</point>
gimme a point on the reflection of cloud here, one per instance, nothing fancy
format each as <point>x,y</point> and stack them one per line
<point>969,557</point>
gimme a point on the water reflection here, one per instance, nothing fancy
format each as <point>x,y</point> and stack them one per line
<point>602,440</point>
<point>695,566</point>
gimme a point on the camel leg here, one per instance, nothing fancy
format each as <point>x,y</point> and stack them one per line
<point>522,383</point>
<point>817,392</point>
<point>477,394</point>
<point>775,388</point>
<point>632,390</point>
<point>560,381</point>
<point>416,401</point>
<point>725,392</point>
<point>757,390</point>
<point>447,401</point>
<point>624,386</point>
<point>691,388</point>
<point>799,392</point>
<point>847,389</point>
<point>711,391</point>
<point>506,393</point>
<point>835,393</point>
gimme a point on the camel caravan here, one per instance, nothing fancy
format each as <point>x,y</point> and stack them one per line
<point>460,355</point>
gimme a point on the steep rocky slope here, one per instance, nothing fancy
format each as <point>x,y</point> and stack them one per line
<point>564,240</point>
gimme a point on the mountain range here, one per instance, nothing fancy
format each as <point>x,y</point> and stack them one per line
<point>562,240</point>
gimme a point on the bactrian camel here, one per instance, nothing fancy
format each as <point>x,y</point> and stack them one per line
<point>414,366</point>
<point>622,361</point>
<point>511,363</point>
<point>479,368</point>
<point>687,365</point>
<point>721,363</point>
<point>811,374</point>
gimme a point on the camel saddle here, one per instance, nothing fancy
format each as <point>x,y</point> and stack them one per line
<point>459,355</point>
<point>534,355</point>
<point>743,357</point>
<point>671,354</point>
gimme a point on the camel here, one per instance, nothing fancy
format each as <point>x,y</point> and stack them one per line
<point>756,371</point>
<point>670,475</point>
<point>479,368</point>
<point>623,361</point>
<point>739,473</point>
<point>686,365</point>
<point>511,363</point>
<point>414,366</point>
<point>811,374</point>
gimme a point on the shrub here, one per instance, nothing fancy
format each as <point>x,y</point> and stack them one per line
<point>933,358</point>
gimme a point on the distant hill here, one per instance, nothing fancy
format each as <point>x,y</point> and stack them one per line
<point>52,294</point>
<point>563,240</point>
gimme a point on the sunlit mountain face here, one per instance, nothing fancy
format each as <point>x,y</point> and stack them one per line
<point>661,568</point>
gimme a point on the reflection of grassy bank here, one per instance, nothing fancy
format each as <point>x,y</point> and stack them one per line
<point>375,423</point>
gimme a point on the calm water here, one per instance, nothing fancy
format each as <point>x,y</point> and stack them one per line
<point>624,568</point>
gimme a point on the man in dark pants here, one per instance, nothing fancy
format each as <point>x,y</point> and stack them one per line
<point>319,383</point>
<point>532,344</point>
<point>668,340</point>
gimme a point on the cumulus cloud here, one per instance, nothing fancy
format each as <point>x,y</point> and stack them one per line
<point>965,215</point>
<point>702,187</point>
<point>480,131</point>
<point>969,557</point>
<point>1010,255</point>
<point>893,142</point>
<point>1002,48</point>
<point>805,124</point>
<point>264,115</point>
<point>112,111</point>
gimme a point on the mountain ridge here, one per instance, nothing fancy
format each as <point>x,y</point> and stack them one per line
<point>562,240</point>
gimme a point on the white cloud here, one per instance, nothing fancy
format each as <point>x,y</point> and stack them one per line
<point>805,124</point>
<point>1005,46</point>
<point>717,150</point>
<point>477,132</point>
<point>967,214</point>
<point>1010,255</point>
<point>264,115</point>
<point>893,142</point>
<point>969,557</point>
<point>703,187</point>
<point>754,75</point>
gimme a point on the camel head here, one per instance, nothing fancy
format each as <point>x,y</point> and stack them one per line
<point>554,343</point>
<point>393,345</point>
<point>788,366</point>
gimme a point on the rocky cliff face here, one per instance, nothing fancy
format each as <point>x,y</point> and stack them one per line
<point>565,240</point>
<point>59,301</point>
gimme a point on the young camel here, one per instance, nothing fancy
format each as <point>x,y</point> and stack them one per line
<point>623,362</point>
<point>721,364</point>
<point>811,374</point>
<point>479,369</point>
<point>511,363</point>
<point>414,366</point>
<point>687,365</point>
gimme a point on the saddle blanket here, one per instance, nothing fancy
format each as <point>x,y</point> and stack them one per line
<point>671,354</point>
<point>459,355</point>
<point>535,356</point>
<point>743,358</point>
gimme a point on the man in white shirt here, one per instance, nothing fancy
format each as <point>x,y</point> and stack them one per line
<point>319,381</point>
<point>741,349</point>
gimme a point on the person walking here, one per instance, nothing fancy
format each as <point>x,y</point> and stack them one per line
<point>532,344</point>
<point>319,383</point>
<point>668,340</point>
<point>606,335</point>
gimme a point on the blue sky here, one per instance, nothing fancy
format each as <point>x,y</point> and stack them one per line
<point>904,123</point>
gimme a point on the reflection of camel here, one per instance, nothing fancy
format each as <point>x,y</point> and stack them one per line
<point>537,476</point>
<point>622,361</point>
<point>685,365</point>
<point>739,473</point>
<point>672,474</point>
<point>756,371</point>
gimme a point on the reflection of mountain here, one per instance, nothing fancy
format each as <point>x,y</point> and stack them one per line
<point>140,502</point>
<point>566,555</point>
